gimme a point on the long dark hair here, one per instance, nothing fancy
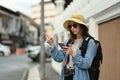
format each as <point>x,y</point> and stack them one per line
<point>84,33</point>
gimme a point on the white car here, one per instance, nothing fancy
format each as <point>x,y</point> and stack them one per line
<point>4,50</point>
<point>33,52</point>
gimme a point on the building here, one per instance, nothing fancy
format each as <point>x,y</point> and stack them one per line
<point>49,12</point>
<point>14,27</point>
<point>32,32</point>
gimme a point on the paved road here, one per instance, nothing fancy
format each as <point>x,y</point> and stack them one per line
<point>12,67</point>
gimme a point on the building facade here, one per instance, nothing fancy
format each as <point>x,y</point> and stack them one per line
<point>49,12</point>
<point>13,28</point>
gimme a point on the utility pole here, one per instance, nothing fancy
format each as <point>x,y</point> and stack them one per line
<point>42,39</point>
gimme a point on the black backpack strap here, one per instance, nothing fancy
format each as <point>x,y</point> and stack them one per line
<point>83,47</point>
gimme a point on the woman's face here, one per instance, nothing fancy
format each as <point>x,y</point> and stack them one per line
<point>74,27</point>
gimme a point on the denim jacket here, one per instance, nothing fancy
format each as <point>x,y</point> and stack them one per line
<point>81,63</point>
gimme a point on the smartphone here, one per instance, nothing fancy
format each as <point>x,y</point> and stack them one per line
<point>61,44</point>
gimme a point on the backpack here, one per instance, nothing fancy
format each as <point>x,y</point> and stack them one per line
<point>94,69</point>
<point>97,60</point>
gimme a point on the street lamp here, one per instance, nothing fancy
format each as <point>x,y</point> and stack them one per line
<point>42,50</point>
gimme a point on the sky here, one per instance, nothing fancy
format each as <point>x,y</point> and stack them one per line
<point>23,6</point>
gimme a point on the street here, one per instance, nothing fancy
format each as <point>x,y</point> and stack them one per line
<point>13,66</point>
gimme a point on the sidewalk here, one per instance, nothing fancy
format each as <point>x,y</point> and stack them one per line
<point>50,74</point>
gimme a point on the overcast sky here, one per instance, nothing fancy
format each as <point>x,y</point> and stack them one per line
<point>19,5</point>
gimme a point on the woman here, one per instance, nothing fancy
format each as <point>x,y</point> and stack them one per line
<point>75,67</point>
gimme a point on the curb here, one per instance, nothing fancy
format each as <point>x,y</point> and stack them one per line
<point>25,74</point>
<point>33,73</point>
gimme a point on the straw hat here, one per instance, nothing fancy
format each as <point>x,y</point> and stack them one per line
<point>75,18</point>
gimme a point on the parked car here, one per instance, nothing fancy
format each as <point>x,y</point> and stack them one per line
<point>33,52</point>
<point>9,43</point>
<point>4,50</point>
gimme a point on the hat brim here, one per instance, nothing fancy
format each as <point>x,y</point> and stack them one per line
<point>66,23</point>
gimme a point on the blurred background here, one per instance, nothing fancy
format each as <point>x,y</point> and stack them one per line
<point>20,24</point>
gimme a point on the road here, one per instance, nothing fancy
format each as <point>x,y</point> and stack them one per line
<point>13,66</point>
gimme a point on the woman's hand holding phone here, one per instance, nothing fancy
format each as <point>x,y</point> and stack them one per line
<point>67,49</point>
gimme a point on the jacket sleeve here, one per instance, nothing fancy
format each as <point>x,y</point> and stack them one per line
<point>85,62</point>
<point>57,55</point>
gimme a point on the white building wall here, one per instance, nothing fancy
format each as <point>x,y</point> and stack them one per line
<point>93,28</point>
<point>56,66</point>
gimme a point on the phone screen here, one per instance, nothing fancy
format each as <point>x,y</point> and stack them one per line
<point>61,44</point>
